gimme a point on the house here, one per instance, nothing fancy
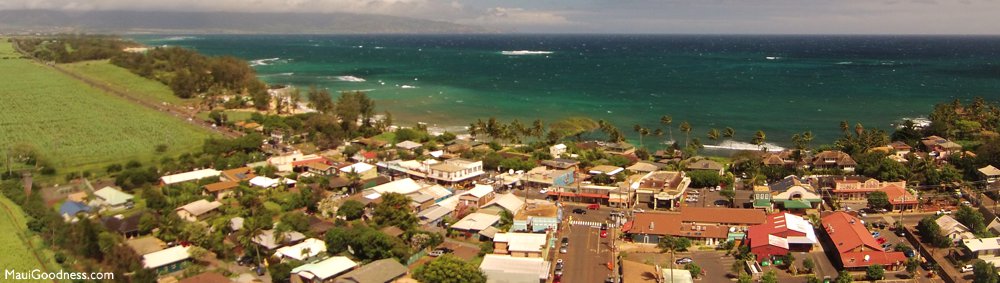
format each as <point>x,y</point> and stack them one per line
<point>70,210</point>
<point>520,244</point>
<point>900,149</point>
<point>364,170</point>
<point>320,168</point>
<point>622,148</point>
<point>128,227</point>
<point>994,226</point>
<point>455,170</point>
<point>304,250</point>
<point>989,173</point>
<point>785,158</point>
<point>900,198</point>
<point>267,240</point>
<point>557,150</point>
<point>207,277</point>
<point>167,260</point>
<point>221,190</point>
<point>197,210</point>
<point>858,188</point>
<point>323,271</point>
<point>509,269</point>
<point>145,245</point>
<point>544,177</point>
<point>855,246</point>
<point>940,148</point>
<point>509,202</point>
<point>794,194</point>
<point>706,165</point>
<point>401,186</point>
<point>288,162</point>
<point>986,249</point>
<point>660,189</point>
<point>379,271</point>
<point>833,160</point>
<point>762,198</point>
<point>561,164</point>
<point>265,182</point>
<point>605,170</point>
<point>782,233</point>
<point>475,222</point>
<point>721,216</point>
<point>953,229</point>
<point>189,176</point>
<point>112,198</point>
<point>238,174</point>
<point>643,167</point>
<point>408,145</point>
<point>478,196</point>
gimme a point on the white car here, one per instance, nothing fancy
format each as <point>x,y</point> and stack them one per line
<point>967,268</point>
<point>543,191</point>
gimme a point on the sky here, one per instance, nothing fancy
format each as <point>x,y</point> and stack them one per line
<point>622,16</point>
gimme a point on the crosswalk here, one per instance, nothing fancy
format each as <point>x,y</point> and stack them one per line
<point>594,224</point>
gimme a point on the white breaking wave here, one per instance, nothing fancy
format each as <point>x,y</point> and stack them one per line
<point>735,145</point>
<point>176,38</point>
<point>525,52</point>
<point>845,63</point>
<point>278,74</point>
<point>407,86</point>
<point>263,62</point>
<point>772,58</point>
<point>352,79</point>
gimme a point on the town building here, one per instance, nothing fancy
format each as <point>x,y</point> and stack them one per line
<point>454,171</point>
<point>112,199</point>
<point>954,230</point>
<point>781,234</point>
<point>520,244</point>
<point>855,247</point>
<point>661,189</point>
<point>189,176</point>
<point>833,160</point>
<point>858,187</point>
<point>167,260</point>
<point>795,195</point>
<point>508,269</point>
<point>989,174</point>
<point>302,251</point>
<point>706,165</point>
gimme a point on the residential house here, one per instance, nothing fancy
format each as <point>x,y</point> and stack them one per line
<point>508,202</point>
<point>189,176</point>
<point>782,233</point>
<point>70,210</point>
<point>408,145</point>
<point>561,164</point>
<point>320,168</point>
<point>267,240</point>
<point>557,150</point>
<point>833,160</point>
<point>994,226</point>
<point>986,249</point>
<point>794,194</point>
<point>128,227</point>
<point>621,148</point>
<point>989,173</point>
<point>661,189</point>
<point>785,158</point>
<point>167,260</point>
<point>238,174</point>
<point>478,196</point>
<point>940,148</point>
<point>643,167</point>
<point>197,210</point>
<point>145,245</point>
<point>520,244</point>
<point>605,170</point>
<point>288,162</point>
<point>265,182</point>
<point>302,251</point>
<point>400,186</point>
<point>221,190</point>
<point>706,165</point>
<point>112,199</point>
<point>954,230</point>
<point>457,170</point>
<point>509,269</point>
<point>900,149</point>
<point>324,271</point>
<point>379,271</point>
<point>475,222</point>
<point>364,170</point>
<point>855,246</point>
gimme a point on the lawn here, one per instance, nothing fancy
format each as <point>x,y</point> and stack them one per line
<point>233,115</point>
<point>17,255</point>
<point>122,80</point>
<point>75,127</point>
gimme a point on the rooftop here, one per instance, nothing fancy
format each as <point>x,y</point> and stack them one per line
<point>190,176</point>
<point>379,271</point>
<point>401,186</point>
<point>722,215</point>
<point>522,242</point>
<point>325,269</point>
<point>113,196</point>
<point>165,257</point>
<point>476,221</point>
<point>848,233</point>
<point>200,207</point>
<point>507,269</point>
<point>301,251</point>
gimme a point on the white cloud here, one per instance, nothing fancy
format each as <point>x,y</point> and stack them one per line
<point>502,16</point>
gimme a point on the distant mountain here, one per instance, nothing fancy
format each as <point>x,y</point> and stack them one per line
<point>21,21</point>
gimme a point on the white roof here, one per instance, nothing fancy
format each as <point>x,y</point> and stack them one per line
<point>558,146</point>
<point>679,275</point>
<point>508,201</point>
<point>267,240</point>
<point>984,244</point>
<point>522,242</point>
<point>777,241</point>
<point>437,191</point>
<point>401,186</point>
<point>480,191</point>
<point>507,269</point>
<point>236,223</point>
<point>298,251</point>
<point>434,213</point>
<point>325,269</point>
<point>476,221</point>
<point>165,257</point>
<point>200,207</point>
<point>436,153</point>
<point>450,202</point>
<point>950,225</point>
<point>190,176</point>
<point>359,167</point>
<point>408,145</point>
<point>112,196</point>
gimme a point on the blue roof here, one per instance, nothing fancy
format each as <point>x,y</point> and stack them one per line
<point>71,208</point>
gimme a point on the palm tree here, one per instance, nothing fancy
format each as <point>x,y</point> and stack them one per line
<point>638,129</point>
<point>713,134</point>
<point>516,130</point>
<point>844,126</point>
<point>797,140</point>
<point>355,179</point>
<point>473,129</point>
<point>759,138</point>
<point>807,137</point>
<point>686,129</point>
<point>665,120</point>
<point>493,128</point>
<point>537,129</point>
<point>858,129</point>
<point>728,132</point>
<point>671,245</point>
<point>658,132</point>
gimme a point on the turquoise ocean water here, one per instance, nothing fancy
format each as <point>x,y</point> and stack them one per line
<point>780,84</point>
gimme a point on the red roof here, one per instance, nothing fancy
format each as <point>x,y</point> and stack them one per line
<point>310,160</point>
<point>723,215</point>
<point>857,259</point>
<point>848,234</point>
<point>757,235</point>
<point>370,154</point>
<point>898,195</point>
<point>589,195</point>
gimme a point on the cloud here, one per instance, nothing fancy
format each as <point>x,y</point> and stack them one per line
<point>502,16</point>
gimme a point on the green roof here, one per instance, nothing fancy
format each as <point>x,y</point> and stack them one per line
<point>761,203</point>
<point>797,204</point>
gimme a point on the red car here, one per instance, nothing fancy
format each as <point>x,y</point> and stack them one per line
<point>604,233</point>
<point>594,206</point>
<point>881,240</point>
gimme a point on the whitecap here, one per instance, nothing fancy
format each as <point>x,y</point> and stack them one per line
<point>845,63</point>
<point>352,79</point>
<point>263,62</point>
<point>525,52</point>
<point>407,86</point>
<point>735,145</point>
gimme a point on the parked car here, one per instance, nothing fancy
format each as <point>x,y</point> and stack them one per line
<point>439,252</point>
<point>910,253</point>
<point>886,246</point>
<point>594,206</point>
<point>638,210</point>
<point>543,191</point>
<point>880,240</point>
<point>563,250</point>
<point>943,212</point>
<point>579,211</point>
<point>876,234</point>
<point>967,268</point>
<point>565,241</point>
<point>684,260</point>
<point>966,203</point>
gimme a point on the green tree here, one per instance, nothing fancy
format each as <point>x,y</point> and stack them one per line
<point>685,128</point>
<point>394,210</point>
<point>984,272</point>
<point>713,134</point>
<point>729,194</point>
<point>971,218</point>
<point>911,266</point>
<point>769,277</point>
<point>673,244</point>
<point>875,271</point>
<point>665,120</point>
<point>449,269</point>
<point>808,264</point>
<point>351,210</point>
<point>844,277</point>
<point>759,138</point>
<point>694,269</point>
<point>729,132</point>
<point>878,200</point>
<point>931,232</point>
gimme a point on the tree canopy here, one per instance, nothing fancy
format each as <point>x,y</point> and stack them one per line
<point>449,269</point>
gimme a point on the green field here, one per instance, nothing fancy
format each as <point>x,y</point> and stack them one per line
<point>122,80</point>
<point>17,255</point>
<point>233,115</point>
<point>75,127</point>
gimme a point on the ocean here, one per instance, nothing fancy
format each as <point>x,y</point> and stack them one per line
<point>779,84</point>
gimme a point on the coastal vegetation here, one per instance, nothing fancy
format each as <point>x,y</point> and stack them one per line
<point>122,80</point>
<point>53,121</point>
<point>20,254</point>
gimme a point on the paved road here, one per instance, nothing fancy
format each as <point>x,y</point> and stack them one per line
<point>588,254</point>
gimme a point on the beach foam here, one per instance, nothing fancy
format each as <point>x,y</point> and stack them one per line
<point>407,86</point>
<point>772,58</point>
<point>352,79</point>
<point>735,145</point>
<point>263,62</point>
<point>525,52</point>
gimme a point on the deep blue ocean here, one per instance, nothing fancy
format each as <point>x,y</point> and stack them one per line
<point>779,84</point>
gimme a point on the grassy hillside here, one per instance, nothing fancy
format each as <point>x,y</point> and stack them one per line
<point>122,80</point>
<point>17,254</point>
<point>75,127</point>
